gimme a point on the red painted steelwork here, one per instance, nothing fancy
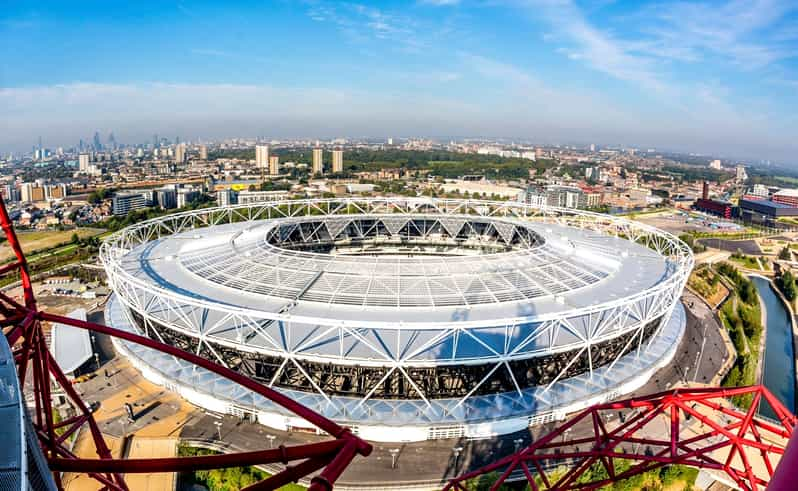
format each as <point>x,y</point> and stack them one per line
<point>35,365</point>
<point>693,427</point>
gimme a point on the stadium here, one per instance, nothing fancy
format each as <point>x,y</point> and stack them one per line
<point>404,319</point>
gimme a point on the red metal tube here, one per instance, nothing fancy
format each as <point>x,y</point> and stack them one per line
<point>181,464</point>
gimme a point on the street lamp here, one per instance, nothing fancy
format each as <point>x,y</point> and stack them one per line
<point>271,440</point>
<point>457,451</point>
<point>218,428</point>
<point>394,453</point>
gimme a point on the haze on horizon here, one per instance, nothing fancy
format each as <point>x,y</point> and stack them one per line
<point>716,77</point>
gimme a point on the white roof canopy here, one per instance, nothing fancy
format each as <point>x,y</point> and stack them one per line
<point>71,346</point>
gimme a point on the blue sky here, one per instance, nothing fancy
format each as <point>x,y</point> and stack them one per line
<point>717,77</point>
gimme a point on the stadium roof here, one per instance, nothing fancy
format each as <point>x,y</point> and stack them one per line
<point>71,346</point>
<point>233,264</point>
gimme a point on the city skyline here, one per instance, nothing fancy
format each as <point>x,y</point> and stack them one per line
<point>715,78</point>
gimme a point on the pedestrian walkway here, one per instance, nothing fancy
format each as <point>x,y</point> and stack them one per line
<point>151,448</point>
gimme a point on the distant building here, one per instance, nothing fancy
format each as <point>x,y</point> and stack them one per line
<point>274,165</point>
<point>741,175</point>
<point>359,188</point>
<point>760,191</point>
<point>560,196</point>
<point>337,161</point>
<point>30,192</point>
<point>250,197</point>
<point>180,153</point>
<point>715,164</point>
<point>203,152</point>
<point>166,198</point>
<point>318,161</point>
<point>714,207</point>
<point>124,203</point>
<point>185,196</point>
<point>262,156</point>
<point>765,211</point>
<point>226,197</point>
<point>83,162</point>
<point>481,188</point>
<point>787,197</point>
<point>10,193</point>
<point>55,191</point>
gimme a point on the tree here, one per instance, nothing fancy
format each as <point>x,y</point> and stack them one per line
<point>786,284</point>
<point>784,254</point>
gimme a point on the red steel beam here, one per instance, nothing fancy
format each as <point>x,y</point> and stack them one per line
<point>739,431</point>
<point>35,362</point>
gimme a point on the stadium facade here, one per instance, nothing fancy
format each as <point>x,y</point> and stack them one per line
<point>403,318</point>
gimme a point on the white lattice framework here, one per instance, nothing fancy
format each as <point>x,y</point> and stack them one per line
<point>396,344</point>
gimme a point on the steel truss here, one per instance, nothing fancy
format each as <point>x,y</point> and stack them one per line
<point>395,349</point>
<point>693,427</point>
<point>22,325</point>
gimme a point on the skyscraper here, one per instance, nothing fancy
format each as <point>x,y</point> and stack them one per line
<point>203,152</point>
<point>318,161</point>
<point>98,146</point>
<point>262,156</point>
<point>274,165</point>
<point>337,161</point>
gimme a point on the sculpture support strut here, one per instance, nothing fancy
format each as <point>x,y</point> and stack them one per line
<point>693,427</point>
<point>22,323</point>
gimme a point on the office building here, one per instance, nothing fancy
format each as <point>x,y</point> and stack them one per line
<point>185,196</point>
<point>337,161</point>
<point>561,196</point>
<point>318,161</point>
<point>226,197</point>
<point>166,198</point>
<point>124,203</point>
<point>715,164</point>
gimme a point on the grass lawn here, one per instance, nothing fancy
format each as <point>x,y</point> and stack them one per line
<point>37,241</point>
<point>746,261</point>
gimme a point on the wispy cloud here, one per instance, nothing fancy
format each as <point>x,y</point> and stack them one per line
<point>749,33</point>
<point>362,23</point>
<point>588,44</point>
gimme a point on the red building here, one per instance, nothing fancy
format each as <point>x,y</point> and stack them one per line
<point>720,208</point>
<point>787,197</point>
